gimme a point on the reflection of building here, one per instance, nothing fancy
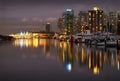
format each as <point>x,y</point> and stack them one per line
<point>95,61</point>
<point>93,58</point>
<point>27,42</point>
<point>65,53</point>
<point>35,42</point>
<point>111,56</point>
<point>47,47</point>
<point>95,19</point>
<point>81,56</point>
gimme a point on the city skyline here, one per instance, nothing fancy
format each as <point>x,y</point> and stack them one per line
<point>18,11</point>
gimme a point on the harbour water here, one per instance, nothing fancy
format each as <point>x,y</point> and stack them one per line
<point>52,60</point>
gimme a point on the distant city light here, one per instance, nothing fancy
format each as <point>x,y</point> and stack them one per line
<point>69,10</point>
<point>21,33</point>
<point>95,8</point>
<point>27,32</point>
<point>48,23</point>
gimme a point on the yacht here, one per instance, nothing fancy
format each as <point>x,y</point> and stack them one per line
<point>83,37</point>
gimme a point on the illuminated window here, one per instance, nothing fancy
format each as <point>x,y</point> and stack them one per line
<point>96,12</point>
<point>100,27</point>
<point>95,8</point>
<point>89,18</point>
<point>100,15</point>
<point>89,14</point>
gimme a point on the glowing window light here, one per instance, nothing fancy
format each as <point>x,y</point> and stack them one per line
<point>27,33</point>
<point>48,23</point>
<point>95,8</point>
<point>69,10</point>
<point>68,67</point>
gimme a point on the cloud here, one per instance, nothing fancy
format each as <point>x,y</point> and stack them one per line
<point>35,19</point>
<point>40,20</point>
<point>81,6</point>
<point>24,20</point>
<point>51,19</point>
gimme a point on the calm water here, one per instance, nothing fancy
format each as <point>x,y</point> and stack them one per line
<point>51,60</point>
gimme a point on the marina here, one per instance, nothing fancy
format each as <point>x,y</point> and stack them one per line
<point>101,39</point>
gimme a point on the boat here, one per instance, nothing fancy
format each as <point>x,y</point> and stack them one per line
<point>64,37</point>
<point>55,36</point>
<point>78,38</point>
<point>100,43</point>
<point>110,42</point>
<point>83,37</point>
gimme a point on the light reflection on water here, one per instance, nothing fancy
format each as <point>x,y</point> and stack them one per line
<point>92,57</point>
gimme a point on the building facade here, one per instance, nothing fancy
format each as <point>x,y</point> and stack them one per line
<point>77,28</point>
<point>48,27</point>
<point>83,16</point>
<point>95,19</point>
<point>113,18</point>
<point>60,25</point>
<point>69,21</point>
<point>118,25</point>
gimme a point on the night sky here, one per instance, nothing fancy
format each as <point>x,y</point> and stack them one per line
<point>15,12</point>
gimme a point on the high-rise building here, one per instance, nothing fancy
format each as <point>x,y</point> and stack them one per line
<point>105,22</point>
<point>113,18</point>
<point>48,27</point>
<point>118,25</point>
<point>83,16</point>
<point>60,25</point>
<point>69,21</point>
<point>95,19</point>
<point>77,28</point>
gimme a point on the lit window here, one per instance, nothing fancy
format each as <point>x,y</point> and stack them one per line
<point>95,8</point>
<point>89,14</point>
<point>100,15</point>
<point>89,18</point>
